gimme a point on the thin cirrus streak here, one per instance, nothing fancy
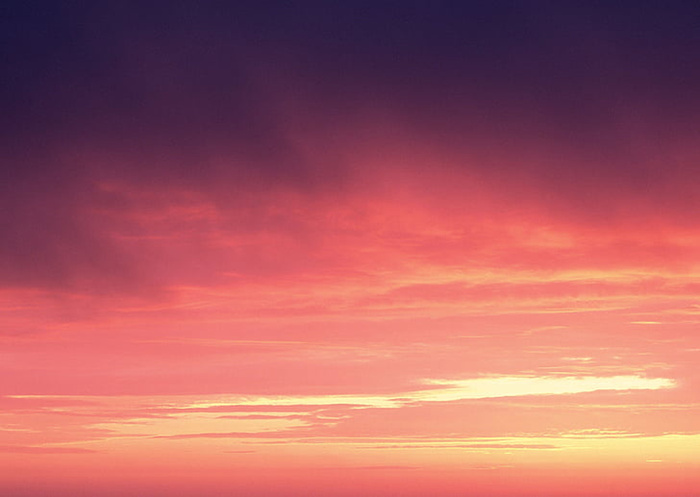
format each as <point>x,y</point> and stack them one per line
<point>246,246</point>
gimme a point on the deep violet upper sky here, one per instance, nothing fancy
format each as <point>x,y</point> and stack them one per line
<point>246,245</point>
<point>590,105</point>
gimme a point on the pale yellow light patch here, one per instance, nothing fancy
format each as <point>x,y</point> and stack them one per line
<point>602,452</point>
<point>183,424</point>
<point>671,448</point>
<point>454,390</point>
<point>509,386</point>
<point>290,400</point>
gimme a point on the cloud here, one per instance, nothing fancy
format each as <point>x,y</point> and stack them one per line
<point>472,446</point>
<point>528,292</point>
<point>444,391</point>
<point>476,388</point>
<point>519,386</point>
<point>370,468</point>
<point>30,449</point>
<point>244,434</point>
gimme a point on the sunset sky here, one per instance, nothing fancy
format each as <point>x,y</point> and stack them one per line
<point>325,248</point>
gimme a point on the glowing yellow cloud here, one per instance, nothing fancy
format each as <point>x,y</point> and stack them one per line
<point>509,386</point>
<point>454,390</point>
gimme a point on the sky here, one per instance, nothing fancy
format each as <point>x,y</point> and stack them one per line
<point>379,248</point>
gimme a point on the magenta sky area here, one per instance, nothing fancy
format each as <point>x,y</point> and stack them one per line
<point>344,248</point>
